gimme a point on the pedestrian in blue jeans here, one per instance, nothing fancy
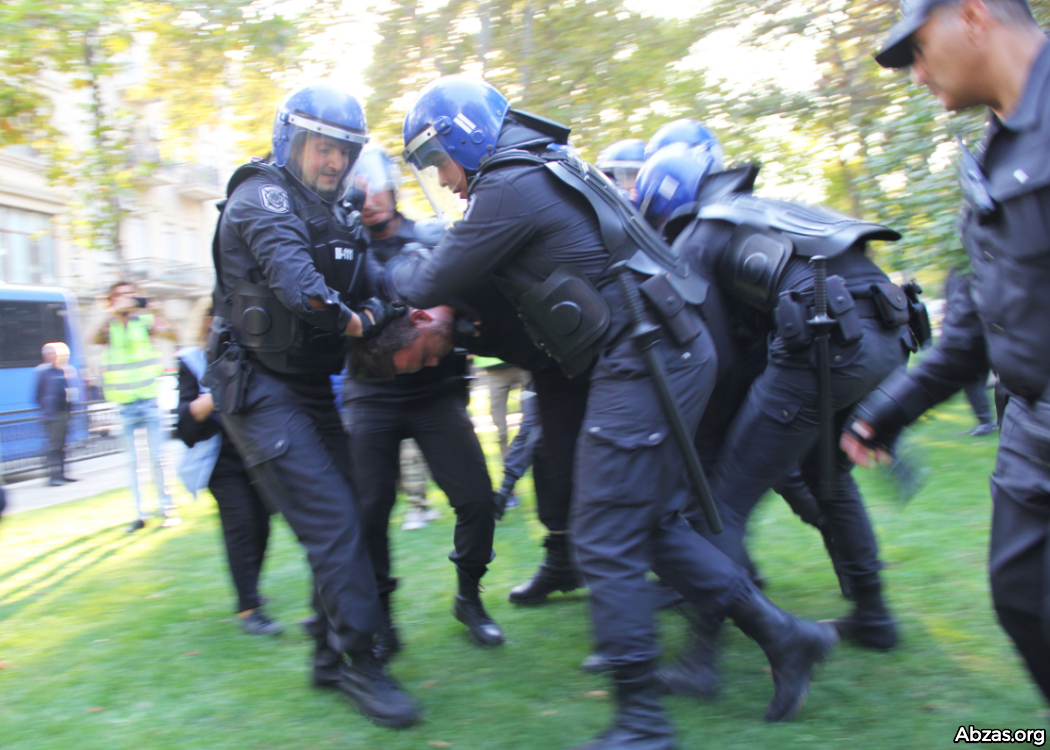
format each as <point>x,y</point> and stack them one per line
<point>131,369</point>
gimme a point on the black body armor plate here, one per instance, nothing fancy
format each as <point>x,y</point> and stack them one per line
<point>277,337</point>
<point>768,232</point>
<point>567,296</point>
<point>566,316</point>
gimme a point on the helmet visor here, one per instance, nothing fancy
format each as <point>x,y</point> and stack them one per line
<point>321,156</point>
<point>626,177</point>
<point>441,178</point>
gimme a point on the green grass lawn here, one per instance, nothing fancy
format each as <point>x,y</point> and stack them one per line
<point>110,641</point>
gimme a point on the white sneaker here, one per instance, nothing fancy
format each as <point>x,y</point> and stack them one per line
<point>414,519</point>
<point>171,521</point>
<point>431,514</point>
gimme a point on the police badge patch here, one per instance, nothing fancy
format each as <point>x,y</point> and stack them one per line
<point>274,199</point>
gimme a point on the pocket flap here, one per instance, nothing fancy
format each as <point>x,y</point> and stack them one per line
<point>260,452</point>
<point>637,438</point>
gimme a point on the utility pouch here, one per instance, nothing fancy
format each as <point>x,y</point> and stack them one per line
<point>891,303</point>
<point>792,327</point>
<point>228,377</point>
<point>566,316</point>
<point>681,320</point>
<point>843,309</point>
<point>918,315</point>
<point>260,321</point>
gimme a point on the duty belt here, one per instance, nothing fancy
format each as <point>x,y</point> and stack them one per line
<point>865,307</point>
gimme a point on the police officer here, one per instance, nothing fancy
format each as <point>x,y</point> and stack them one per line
<point>561,402</point>
<point>972,53</point>
<point>621,161</point>
<point>690,132</point>
<point>537,223</point>
<point>291,284</point>
<point>756,252</point>
<point>429,406</point>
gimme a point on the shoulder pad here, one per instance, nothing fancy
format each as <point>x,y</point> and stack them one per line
<point>814,230</point>
<point>680,218</point>
<point>511,156</point>
<point>252,169</point>
<point>720,185</point>
<point>430,231</point>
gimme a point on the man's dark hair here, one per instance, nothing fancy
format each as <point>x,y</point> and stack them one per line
<point>1011,12</point>
<point>376,355</point>
<point>116,285</point>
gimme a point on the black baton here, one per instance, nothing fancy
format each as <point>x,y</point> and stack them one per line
<point>821,325</point>
<point>647,335</point>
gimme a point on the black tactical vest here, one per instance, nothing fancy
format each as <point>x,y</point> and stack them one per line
<point>275,335</point>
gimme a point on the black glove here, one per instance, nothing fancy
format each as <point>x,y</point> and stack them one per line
<point>880,412</point>
<point>383,312</point>
<point>499,501</point>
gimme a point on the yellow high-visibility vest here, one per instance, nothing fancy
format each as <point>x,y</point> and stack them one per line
<point>130,364</point>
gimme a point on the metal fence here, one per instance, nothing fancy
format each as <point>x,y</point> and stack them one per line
<point>94,430</point>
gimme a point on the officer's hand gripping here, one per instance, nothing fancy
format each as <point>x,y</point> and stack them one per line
<point>376,313</point>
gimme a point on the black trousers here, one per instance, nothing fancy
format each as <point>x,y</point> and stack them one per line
<point>441,427</point>
<point>296,454</point>
<point>778,427</point>
<point>562,403</point>
<point>1019,557</point>
<point>57,427</point>
<point>245,526</point>
<point>630,484</point>
<point>977,394</point>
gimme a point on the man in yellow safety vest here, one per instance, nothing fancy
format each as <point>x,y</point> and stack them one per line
<point>131,368</point>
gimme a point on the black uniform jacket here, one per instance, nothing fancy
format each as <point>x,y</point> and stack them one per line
<point>1005,320</point>
<point>449,373</point>
<point>263,241</point>
<point>521,222</point>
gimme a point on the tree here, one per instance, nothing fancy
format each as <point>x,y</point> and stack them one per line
<point>886,149</point>
<point>204,57</point>
<point>592,64</point>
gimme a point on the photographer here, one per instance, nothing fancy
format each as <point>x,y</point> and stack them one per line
<point>131,367</point>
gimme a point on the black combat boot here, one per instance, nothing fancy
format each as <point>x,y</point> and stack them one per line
<point>376,693</point>
<point>327,662</point>
<point>641,723</point>
<point>555,574</point>
<point>695,673</point>
<point>870,624</point>
<point>387,641</point>
<point>792,645</point>
<point>482,629</point>
<point>845,582</point>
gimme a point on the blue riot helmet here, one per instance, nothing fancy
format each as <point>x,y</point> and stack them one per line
<point>669,181</point>
<point>374,182</point>
<point>453,124</point>
<point>621,162</point>
<point>685,131</point>
<point>317,135</point>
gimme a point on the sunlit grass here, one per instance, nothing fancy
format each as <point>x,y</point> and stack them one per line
<point>113,641</point>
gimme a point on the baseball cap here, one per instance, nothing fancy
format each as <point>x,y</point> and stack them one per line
<point>896,48</point>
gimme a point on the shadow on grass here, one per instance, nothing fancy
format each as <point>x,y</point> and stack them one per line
<point>11,602</point>
<point>13,572</point>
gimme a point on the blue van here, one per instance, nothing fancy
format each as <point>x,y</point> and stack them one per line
<point>31,316</point>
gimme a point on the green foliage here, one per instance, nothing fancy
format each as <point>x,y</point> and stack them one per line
<point>872,143</point>
<point>203,58</point>
<point>606,71</point>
